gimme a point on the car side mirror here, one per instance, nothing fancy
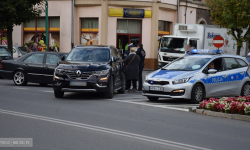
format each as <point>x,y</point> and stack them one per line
<point>63,58</point>
<point>212,71</point>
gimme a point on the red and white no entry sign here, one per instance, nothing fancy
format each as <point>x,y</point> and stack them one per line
<point>218,41</point>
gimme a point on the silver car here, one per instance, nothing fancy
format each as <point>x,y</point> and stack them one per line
<point>198,76</point>
<point>18,51</point>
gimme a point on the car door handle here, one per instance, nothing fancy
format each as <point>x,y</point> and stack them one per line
<point>25,64</point>
<point>224,76</point>
<point>46,67</point>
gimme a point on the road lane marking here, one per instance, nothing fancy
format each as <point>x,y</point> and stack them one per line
<point>106,130</point>
<point>148,104</point>
<point>20,88</point>
<point>45,91</point>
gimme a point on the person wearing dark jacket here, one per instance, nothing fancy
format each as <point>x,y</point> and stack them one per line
<point>142,54</point>
<point>132,62</point>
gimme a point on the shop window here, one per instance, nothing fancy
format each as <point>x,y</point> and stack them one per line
<point>35,32</point>
<point>163,27</point>
<point>89,31</point>
<point>129,26</point>
<point>90,23</point>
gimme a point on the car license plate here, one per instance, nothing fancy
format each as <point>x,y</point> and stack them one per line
<point>153,88</point>
<point>72,83</point>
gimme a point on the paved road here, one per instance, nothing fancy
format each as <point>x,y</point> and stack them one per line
<point>129,121</point>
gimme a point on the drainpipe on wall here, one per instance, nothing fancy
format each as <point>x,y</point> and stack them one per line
<point>178,6</point>
<point>72,34</point>
<point>186,13</point>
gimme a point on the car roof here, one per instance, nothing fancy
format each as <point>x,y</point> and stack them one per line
<point>214,56</point>
<point>81,46</point>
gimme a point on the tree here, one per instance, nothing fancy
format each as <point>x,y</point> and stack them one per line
<point>16,12</point>
<point>233,15</point>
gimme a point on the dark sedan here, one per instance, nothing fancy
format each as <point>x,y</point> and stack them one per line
<point>36,67</point>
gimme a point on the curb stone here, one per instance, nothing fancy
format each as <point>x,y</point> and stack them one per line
<point>223,115</point>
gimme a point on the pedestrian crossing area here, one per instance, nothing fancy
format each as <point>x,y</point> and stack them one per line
<point>138,99</point>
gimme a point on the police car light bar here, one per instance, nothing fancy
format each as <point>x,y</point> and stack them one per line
<point>206,51</point>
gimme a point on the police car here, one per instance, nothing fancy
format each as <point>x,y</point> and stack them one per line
<point>203,74</point>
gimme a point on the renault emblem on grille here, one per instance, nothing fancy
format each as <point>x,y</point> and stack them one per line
<point>78,73</point>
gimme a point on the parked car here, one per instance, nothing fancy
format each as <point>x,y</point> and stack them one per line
<point>18,51</point>
<point>198,76</point>
<point>90,68</point>
<point>4,55</point>
<point>37,67</point>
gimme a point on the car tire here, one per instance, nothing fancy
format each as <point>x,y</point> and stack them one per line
<point>19,78</point>
<point>122,90</point>
<point>245,89</point>
<point>110,92</point>
<point>58,94</point>
<point>43,84</point>
<point>153,98</point>
<point>198,94</point>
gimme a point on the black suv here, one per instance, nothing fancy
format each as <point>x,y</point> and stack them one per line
<point>90,68</point>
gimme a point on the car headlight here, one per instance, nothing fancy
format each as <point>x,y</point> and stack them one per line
<point>183,80</point>
<point>59,72</point>
<point>103,72</point>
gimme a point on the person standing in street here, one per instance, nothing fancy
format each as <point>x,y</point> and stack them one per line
<point>132,69</point>
<point>142,54</point>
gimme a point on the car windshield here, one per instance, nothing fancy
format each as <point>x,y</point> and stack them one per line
<point>24,50</point>
<point>89,55</point>
<point>187,64</point>
<point>173,45</point>
<point>4,52</point>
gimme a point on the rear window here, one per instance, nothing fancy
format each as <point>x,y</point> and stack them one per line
<point>4,52</point>
<point>231,63</point>
<point>24,50</point>
<point>242,63</point>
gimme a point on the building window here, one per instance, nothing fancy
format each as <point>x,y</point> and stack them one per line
<point>164,27</point>
<point>89,31</point>
<point>3,37</point>
<point>35,32</point>
<point>129,26</point>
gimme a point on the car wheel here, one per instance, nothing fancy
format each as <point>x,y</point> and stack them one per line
<point>58,94</point>
<point>245,89</point>
<point>19,78</point>
<point>197,94</point>
<point>153,98</point>
<point>43,84</point>
<point>110,92</point>
<point>122,90</point>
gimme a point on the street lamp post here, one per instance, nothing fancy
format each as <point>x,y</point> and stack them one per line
<point>47,32</point>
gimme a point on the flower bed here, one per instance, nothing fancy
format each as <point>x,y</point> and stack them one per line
<point>233,105</point>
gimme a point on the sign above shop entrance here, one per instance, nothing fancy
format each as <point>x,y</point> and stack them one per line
<point>129,13</point>
<point>133,13</point>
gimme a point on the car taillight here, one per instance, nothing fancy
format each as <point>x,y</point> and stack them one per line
<point>19,56</point>
<point>0,61</point>
<point>1,66</point>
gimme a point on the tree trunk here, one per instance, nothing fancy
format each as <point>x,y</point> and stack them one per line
<point>9,38</point>
<point>238,50</point>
